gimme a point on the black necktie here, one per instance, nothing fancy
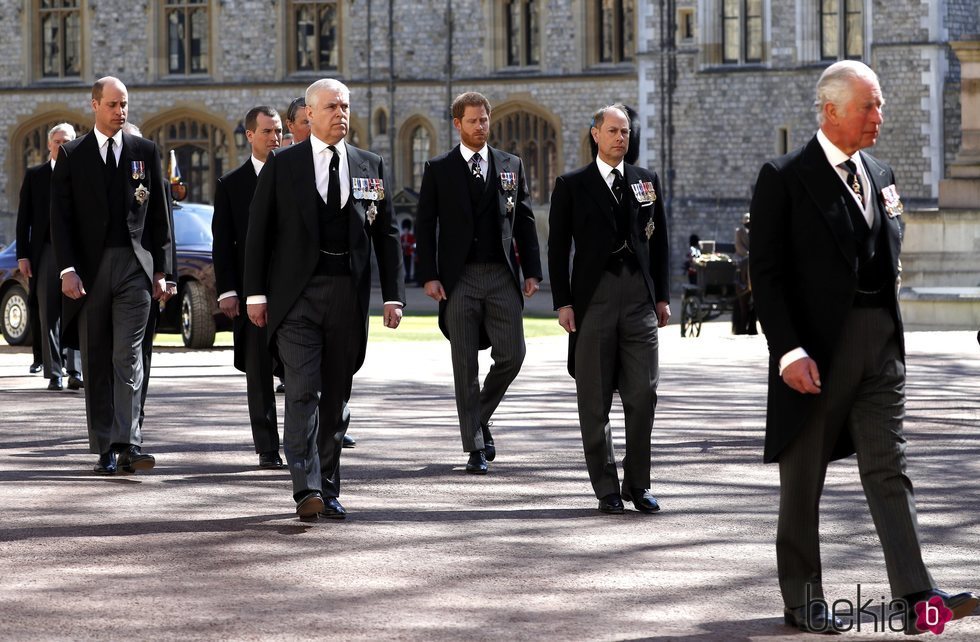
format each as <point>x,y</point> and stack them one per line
<point>110,162</point>
<point>333,182</point>
<point>852,179</point>
<point>617,185</point>
<point>476,170</point>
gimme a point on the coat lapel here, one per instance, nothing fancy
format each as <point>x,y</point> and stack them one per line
<point>824,187</point>
<point>94,170</point>
<point>878,175</point>
<point>597,189</point>
<point>358,167</point>
<point>304,181</point>
<point>461,182</point>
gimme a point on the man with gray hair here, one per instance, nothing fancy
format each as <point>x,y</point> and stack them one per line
<point>35,258</point>
<point>824,261</point>
<point>318,209</point>
<point>612,303</point>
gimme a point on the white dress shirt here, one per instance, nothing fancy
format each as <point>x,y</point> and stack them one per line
<point>605,170</point>
<point>321,168</point>
<point>484,153</point>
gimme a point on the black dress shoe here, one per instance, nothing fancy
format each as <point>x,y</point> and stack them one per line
<point>818,622</point>
<point>961,604</point>
<point>55,384</point>
<point>36,367</point>
<point>349,442</point>
<point>310,505</point>
<point>611,504</point>
<point>488,448</point>
<point>75,382</point>
<point>477,463</point>
<point>642,500</point>
<point>132,459</point>
<point>107,464</point>
<point>332,509</point>
<point>270,459</point>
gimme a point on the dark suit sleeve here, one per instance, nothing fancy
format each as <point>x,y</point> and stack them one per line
<point>158,217</point>
<point>388,247</point>
<point>560,243</point>
<point>771,215</point>
<point>659,249</point>
<point>223,251</point>
<point>525,230</point>
<point>426,219</point>
<point>260,239</point>
<point>62,213</point>
<point>25,218</point>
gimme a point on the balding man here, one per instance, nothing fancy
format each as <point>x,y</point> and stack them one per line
<point>318,209</point>
<point>825,245</point>
<point>108,198</point>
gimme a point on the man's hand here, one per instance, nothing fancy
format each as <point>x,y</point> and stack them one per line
<point>159,285</point>
<point>169,292</point>
<point>566,318</point>
<point>530,287</point>
<point>24,265</point>
<point>392,315</point>
<point>229,305</point>
<point>435,291</point>
<point>258,313</point>
<point>803,376</point>
<point>71,286</point>
<point>663,313</point>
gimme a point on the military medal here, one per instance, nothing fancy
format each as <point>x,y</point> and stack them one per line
<point>508,181</point>
<point>372,213</point>
<point>510,204</point>
<point>357,188</point>
<point>644,192</point>
<point>856,185</point>
<point>138,171</point>
<point>648,230</point>
<point>379,189</point>
<point>141,194</point>
<point>893,204</point>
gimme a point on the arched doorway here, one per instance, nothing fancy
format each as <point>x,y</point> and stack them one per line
<point>202,150</point>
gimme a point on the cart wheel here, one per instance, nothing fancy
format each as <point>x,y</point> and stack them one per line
<point>691,316</point>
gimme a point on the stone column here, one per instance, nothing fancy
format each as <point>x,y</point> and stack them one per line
<point>962,188</point>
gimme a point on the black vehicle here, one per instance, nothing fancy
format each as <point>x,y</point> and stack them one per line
<point>193,313</point>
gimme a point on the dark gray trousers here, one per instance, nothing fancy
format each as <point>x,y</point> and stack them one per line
<point>318,343</point>
<point>260,387</point>
<point>863,393</point>
<point>49,295</point>
<point>616,347</point>
<point>111,325</point>
<point>484,295</point>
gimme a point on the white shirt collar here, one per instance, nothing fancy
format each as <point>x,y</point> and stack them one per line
<point>605,169</point>
<point>468,153</point>
<point>52,162</point>
<point>834,155</point>
<point>319,146</point>
<point>257,165</point>
<point>102,138</point>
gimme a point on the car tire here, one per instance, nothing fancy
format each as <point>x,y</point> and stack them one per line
<point>16,316</point>
<point>196,321</point>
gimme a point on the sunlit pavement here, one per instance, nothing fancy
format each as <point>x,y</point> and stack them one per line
<point>206,546</point>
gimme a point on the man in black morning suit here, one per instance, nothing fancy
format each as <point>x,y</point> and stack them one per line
<point>473,210</point>
<point>35,258</point>
<point>106,188</point>
<point>232,198</point>
<point>612,303</point>
<point>318,209</point>
<point>826,238</point>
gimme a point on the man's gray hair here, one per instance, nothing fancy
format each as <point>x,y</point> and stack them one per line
<point>313,91</point>
<point>62,127</point>
<point>600,115</point>
<point>836,84</point>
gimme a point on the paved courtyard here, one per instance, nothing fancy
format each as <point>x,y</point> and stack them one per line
<point>206,546</point>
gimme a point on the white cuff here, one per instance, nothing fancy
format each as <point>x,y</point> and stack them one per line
<point>225,295</point>
<point>256,298</point>
<point>793,355</point>
<point>398,303</point>
<point>65,271</point>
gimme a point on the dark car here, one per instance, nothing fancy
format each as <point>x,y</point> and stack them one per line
<point>193,313</point>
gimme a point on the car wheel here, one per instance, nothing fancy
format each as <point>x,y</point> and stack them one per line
<point>196,322</point>
<point>16,318</point>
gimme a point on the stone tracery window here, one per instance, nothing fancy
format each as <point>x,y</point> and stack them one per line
<point>841,29</point>
<point>60,38</point>
<point>533,138</point>
<point>187,36</point>
<point>202,154</point>
<point>314,28</point>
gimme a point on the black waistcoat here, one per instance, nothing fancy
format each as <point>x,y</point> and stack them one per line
<point>117,233</point>
<point>334,226</point>
<point>873,272</point>
<point>485,246</point>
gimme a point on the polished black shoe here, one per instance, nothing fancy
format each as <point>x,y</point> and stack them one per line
<point>131,459</point>
<point>107,464</point>
<point>270,459</point>
<point>332,509</point>
<point>477,463</point>
<point>36,367</point>
<point>281,388</point>
<point>818,622</point>
<point>961,604</point>
<point>488,447</point>
<point>349,442</point>
<point>75,382</point>
<point>55,384</point>
<point>642,500</point>
<point>310,505</point>
<point>611,504</point>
